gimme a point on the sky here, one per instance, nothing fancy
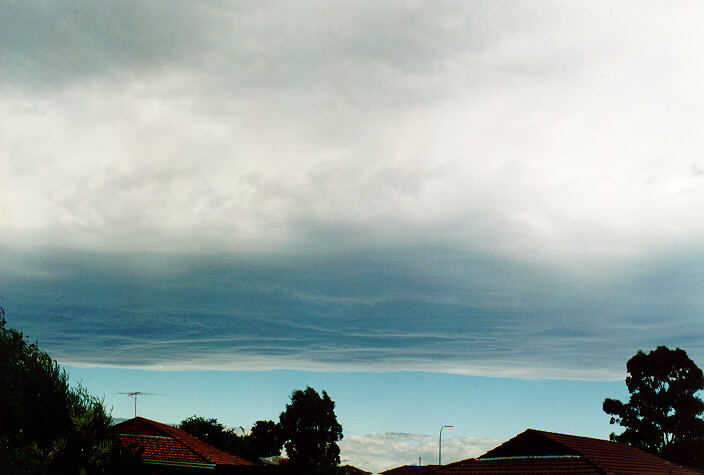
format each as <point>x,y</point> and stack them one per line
<point>480,193</point>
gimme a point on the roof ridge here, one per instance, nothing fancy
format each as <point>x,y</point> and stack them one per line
<point>188,440</point>
<point>549,435</point>
<point>172,432</point>
<point>567,435</point>
<point>185,438</point>
<point>599,462</point>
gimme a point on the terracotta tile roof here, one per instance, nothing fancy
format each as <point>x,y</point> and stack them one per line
<point>574,465</point>
<point>541,452</point>
<point>617,458</point>
<point>162,448</point>
<point>410,470</point>
<point>164,442</point>
<point>352,470</point>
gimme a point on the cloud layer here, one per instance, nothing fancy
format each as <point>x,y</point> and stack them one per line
<point>350,311</point>
<point>379,452</point>
<point>504,128</point>
<point>464,186</point>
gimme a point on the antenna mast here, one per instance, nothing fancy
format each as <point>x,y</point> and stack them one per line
<point>134,394</point>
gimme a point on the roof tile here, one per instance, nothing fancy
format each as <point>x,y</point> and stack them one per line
<point>536,452</point>
<point>165,442</point>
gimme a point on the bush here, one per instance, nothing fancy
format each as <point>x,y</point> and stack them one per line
<point>45,425</point>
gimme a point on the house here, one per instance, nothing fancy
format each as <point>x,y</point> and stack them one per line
<point>352,470</point>
<point>167,449</point>
<point>540,452</point>
<point>410,470</point>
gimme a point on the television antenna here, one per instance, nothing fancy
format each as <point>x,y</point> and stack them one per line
<point>135,394</point>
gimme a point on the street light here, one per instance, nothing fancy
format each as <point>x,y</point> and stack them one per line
<point>440,445</point>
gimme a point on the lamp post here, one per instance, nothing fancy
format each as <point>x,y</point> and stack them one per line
<point>440,445</point>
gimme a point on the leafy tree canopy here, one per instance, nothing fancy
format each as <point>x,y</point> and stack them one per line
<point>45,425</point>
<point>217,435</point>
<point>207,430</point>
<point>663,413</point>
<point>266,438</point>
<point>311,431</point>
<point>263,440</point>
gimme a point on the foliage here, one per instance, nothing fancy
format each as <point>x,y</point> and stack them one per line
<point>36,401</point>
<point>217,435</point>
<point>45,425</point>
<point>663,413</point>
<point>266,438</point>
<point>207,430</point>
<point>263,441</point>
<point>311,431</point>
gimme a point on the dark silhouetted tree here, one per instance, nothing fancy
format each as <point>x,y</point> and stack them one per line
<point>311,431</point>
<point>663,412</point>
<point>217,435</point>
<point>207,430</point>
<point>266,438</point>
<point>45,425</point>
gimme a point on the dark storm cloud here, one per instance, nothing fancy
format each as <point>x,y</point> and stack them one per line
<point>484,187</point>
<point>353,311</point>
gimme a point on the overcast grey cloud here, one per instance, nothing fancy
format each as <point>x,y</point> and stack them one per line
<point>358,311</point>
<point>482,187</point>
